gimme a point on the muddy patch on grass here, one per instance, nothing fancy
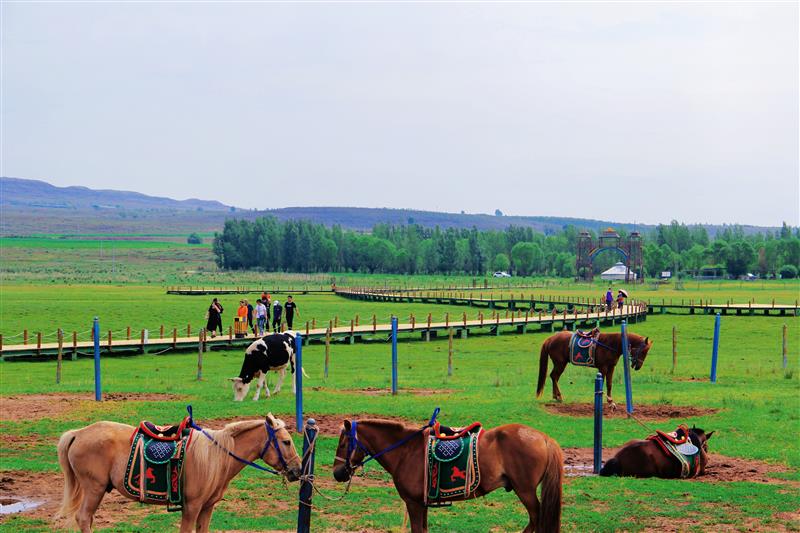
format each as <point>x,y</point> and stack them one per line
<point>328,425</point>
<point>47,487</point>
<point>720,468</point>
<point>642,412</point>
<point>36,406</point>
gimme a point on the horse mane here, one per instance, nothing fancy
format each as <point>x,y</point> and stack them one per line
<point>210,458</point>
<point>386,424</point>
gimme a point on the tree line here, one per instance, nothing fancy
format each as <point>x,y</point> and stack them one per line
<point>302,246</point>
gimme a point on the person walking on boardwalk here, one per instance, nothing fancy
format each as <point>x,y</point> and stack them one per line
<point>261,317</point>
<point>214,318</point>
<point>277,311</point>
<point>251,313</point>
<point>290,308</point>
<point>609,299</point>
<point>621,295</point>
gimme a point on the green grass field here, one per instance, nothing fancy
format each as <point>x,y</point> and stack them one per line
<point>758,403</point>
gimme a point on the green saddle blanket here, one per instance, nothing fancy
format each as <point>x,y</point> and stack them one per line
<point>452,470</point>
<point>155,464</point>
<point>581,350</point>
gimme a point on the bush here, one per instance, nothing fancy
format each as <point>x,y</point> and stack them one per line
<point>194,238</point>
<point>788,272</point>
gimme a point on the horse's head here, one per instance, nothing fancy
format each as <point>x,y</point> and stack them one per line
<point>349,453</point>
<point>279,451</point>
<point>700,439</point>
<point>639,352</point>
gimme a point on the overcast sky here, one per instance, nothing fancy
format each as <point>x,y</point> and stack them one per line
<point>640,112</point>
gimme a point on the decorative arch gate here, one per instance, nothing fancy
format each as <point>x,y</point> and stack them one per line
<point>629,248</point>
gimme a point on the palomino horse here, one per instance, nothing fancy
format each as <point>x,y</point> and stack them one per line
<point>608,349</point>
<point>94,458</point>
<point>513,456</point>
<point>645,458</point>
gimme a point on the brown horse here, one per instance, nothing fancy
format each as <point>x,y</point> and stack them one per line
<point>513,456</point>
<point>607,353</point>
<point>645,458</point>
<point>94,460</point>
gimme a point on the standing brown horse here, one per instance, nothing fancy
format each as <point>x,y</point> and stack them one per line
<point>645,458</point>
<point>607,353</point>
<point>513,456</point>
<point>94,459</point>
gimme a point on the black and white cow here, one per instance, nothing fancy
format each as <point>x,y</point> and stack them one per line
<point>273,352</point>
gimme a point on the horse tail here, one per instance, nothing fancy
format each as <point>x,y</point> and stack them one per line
<point>611,468</point>
<point>549,519</point>
<point>543,355</point>
<point>73,492</point>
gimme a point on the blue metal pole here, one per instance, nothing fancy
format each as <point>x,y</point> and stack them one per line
<point>598,423</point>
<point>715,350</point>
<point>627,361</point>
<point>98,394</point>
<point>306,488</point>
<point>394,355</point>
<point>298,376</point>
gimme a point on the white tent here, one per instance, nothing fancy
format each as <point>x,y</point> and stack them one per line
<point>617,273</point>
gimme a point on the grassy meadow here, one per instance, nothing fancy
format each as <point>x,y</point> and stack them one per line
<point>757,402</point>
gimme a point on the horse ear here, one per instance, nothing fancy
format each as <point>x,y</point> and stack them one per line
<point>647,340</point>
<point>347,425</point>
<point>694,426</point>
<point>708,435</point>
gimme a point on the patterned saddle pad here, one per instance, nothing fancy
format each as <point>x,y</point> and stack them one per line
<point>155,465</point>
<point>581,349</point>
<point>452,469</point>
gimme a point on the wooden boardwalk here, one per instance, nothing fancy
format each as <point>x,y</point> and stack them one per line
<point>518,322</point>
<point>531,302</point>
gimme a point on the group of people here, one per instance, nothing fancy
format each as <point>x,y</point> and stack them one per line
<point>257,317</point>
<point>621,295</point>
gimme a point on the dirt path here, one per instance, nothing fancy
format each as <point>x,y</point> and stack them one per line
<point>642,412</point>
<point>36,406</point>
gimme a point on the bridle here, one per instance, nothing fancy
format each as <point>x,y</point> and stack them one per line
<point>354,444</point>
<point>272,439</point>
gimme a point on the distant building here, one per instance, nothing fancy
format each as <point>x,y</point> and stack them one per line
<point>617,273</point>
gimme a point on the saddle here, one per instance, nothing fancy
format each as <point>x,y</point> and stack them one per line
<point>677,444</point>
<point>582,345</point>
<point>451,459</point>
<point>155,464</point>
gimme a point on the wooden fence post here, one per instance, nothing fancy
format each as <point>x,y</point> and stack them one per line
<point>141,341</point>
<point>188,330</point>
<point>200,356</point>
<point>450,352</point>
<point>129,333</point>
<point>174,337</point>
<point>24,336</point>
<point>39,343</point>
<point>374,323</point>
<point>674,348</point>
<point>74,345</point>
<point>60,355</point>
<point>327,350</point>
<point>161,332</point>
<point>109,341</point>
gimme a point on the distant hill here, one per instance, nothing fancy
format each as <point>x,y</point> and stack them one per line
<point>34,193</point>
<point>33,206</point>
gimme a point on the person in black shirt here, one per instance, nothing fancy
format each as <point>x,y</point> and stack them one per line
<point>291,309</point>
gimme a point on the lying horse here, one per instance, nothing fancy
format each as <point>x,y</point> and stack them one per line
<point>513,456</point>
<point>650,458</point>
<point>94,459</point>
<point>607,351</point>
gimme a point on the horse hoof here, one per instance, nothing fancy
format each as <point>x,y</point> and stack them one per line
<point>613,406</point>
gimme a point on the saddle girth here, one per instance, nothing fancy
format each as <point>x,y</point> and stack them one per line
<point>154,472</point>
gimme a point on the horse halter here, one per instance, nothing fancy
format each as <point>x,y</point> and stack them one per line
<point>272,438</point>
<point>354,444</point>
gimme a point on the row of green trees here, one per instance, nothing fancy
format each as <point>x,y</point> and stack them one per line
<point>302,246</point>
